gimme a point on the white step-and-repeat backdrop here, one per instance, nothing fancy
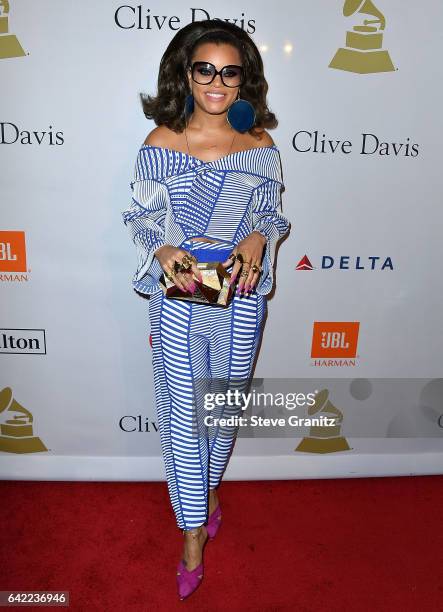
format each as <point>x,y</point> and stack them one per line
<point>357,311</point>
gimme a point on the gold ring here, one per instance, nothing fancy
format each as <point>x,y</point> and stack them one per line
<point>185,268</point>
<point>177,267</point>
<point>239,256</point>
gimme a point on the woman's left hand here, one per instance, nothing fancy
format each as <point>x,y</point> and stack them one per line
<point>251,248</point>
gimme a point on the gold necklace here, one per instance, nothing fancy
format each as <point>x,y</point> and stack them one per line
<point>189,150</point>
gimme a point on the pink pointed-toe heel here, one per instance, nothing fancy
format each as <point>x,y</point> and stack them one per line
<point>188,580</point>
<point>214,522</point>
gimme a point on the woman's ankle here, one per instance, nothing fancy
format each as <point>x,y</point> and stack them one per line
<point>213,500</point>
<point>194,531</point>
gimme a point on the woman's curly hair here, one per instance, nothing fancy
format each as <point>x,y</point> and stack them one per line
<point>168,106</point>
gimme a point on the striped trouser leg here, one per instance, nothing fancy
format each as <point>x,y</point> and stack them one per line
<point>193,342</point>
<point>180,354</point>
<point>232,351</point>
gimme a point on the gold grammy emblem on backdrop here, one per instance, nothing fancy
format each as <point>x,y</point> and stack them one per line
<point>16,434</point>
<point>324,438</point>
<point>9,45</point>
<point>363,53</point>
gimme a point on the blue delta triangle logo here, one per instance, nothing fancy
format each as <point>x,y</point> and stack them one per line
<point>304,264</point>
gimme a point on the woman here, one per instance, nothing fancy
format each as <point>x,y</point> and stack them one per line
<point>208,171</point>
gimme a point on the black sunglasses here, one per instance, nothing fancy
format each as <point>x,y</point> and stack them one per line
<point>204,73</point>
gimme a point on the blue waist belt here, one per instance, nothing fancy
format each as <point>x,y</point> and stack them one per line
<point>208,251</point>
<point>204,255</point>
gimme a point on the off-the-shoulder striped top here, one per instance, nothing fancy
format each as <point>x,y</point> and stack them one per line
<point>176,196</point>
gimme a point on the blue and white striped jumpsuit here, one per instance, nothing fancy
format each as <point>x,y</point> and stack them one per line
<point>176,196</point>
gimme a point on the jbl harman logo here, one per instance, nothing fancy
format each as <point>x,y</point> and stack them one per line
<point>12,251</point>
<point>335,339</point>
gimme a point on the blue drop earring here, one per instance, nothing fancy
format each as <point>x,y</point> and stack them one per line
<point>189,105</point>
<point>241,115</point>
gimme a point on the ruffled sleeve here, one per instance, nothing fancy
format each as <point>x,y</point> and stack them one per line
<point>268,219</point>
<point>145,219</point>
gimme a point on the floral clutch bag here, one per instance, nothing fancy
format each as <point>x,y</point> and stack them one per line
<point>215,288</point>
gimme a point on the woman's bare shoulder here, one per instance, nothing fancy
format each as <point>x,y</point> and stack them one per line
<point>261,138</point>
<point>161,136</point>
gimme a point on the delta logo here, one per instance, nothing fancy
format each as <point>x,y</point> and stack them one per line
<point>345,262</point>
<point>334,343</point>
<point>13,266</point>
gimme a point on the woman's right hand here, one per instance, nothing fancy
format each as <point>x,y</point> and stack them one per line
<point>167,255</point>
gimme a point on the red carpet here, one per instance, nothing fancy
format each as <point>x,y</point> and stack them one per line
<point>306,545</point>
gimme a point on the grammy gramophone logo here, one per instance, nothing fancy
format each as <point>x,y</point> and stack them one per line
<point>9,45</point>
<point>324,438</point>
<point>16,432</point>
<point>363,53</point>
